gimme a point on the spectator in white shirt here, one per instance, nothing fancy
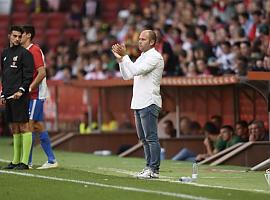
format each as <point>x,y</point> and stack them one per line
<point>225,62</point>
<point>146,101</point>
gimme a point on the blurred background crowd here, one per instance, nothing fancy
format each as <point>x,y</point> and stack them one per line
<point>195,37</point>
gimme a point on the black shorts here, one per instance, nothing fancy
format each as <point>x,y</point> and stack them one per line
<point>17,110</point>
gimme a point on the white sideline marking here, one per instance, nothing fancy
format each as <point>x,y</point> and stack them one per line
<point>123,171</point>
<point>229,188</point>
<point>171,194</point>
<point>228,170</point>
<point>212,177</point>
<point>172,180</point>
<point>6,161</point>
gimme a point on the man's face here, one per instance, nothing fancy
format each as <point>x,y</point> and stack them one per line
<point>257,130</point>
<point>239,130</point>
<point>255,133</point>
<point>167,128</point>
<point>225,134</point>
<point>25,37</point>
<point>144,41</point>
<point>15,38</point>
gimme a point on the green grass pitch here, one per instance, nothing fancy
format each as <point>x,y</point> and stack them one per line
<point>86,176</point>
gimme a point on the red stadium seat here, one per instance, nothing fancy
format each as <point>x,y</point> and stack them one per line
<point>39,20</point>
<point>39,38</point>
<point>79,3</point>
<point>3,32</point>
<point>110,9</point>
<point>3,38</point>
<point>20,6</point>
<point>53,36</point>
<point>53,32</point>
<point>19,18</point>
<point>4,21</point>
<point>74,34</point>
<point>3,42</point>
<point>57,20</point>
<point>144,3</point>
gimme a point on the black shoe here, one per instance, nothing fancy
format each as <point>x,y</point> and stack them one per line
<point>11,166</point>
<point>21,166</point>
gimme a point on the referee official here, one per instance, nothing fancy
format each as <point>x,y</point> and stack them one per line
<point>17,67</point>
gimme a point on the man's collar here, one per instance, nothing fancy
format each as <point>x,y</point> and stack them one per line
<point>148,51</point>
<point>29,46</point>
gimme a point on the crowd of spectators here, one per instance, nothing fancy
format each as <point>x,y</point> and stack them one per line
<point>217,136</point>
<point>195,37</point>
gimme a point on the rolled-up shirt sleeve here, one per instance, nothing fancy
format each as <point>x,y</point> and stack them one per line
<point>126,74</point>
<point>141,66</point>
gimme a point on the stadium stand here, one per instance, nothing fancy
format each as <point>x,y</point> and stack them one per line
<point>53,37</point>
<point>19,18</point>
<point>220,154</point>
<point>57,20</point>
<point>246,155</point>
<point>72,33</point>
<point>20,6</point>
<point>39,20</point>
<point>4,22</point>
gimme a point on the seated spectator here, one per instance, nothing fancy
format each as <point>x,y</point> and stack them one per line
<point>228,136</point>
<point>109,126</point>
<point>202,68</point>
<point>195,128</point>
<point>85,128</point>
<point>91,8</point>
<point>58,5</point>
<point>125,122</point>
<point>97,73</point>
<point>257,131</point>
<point>75,16</point>
<point>185,125</point>
<point>169,129</point>
<point>259,66</point>
<point>225,61</point>
<point>217,120</point>
<point>109,123</point>
<point>211,142</point>
<point>166,51</point>
<point>241,65</point>
<point>38,6</point>
<point>191,70</point>
<point>241,129</point>
<point>63,74</point>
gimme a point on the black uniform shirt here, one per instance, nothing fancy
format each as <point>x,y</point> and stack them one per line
<point>17,66</point>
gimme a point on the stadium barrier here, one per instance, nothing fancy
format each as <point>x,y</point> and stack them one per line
<point>198,98</point>
<point>249,154</point>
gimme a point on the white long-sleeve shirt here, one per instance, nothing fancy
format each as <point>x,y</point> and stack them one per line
<point>147,73</point>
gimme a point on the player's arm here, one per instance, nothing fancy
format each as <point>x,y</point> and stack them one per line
<point>41,74</point>
<point>28,68</point>
<point>2,66</point>
<point>2,95</point>
<point>208,146</point>
<point>40,67</point>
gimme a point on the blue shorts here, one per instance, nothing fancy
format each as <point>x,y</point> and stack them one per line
<point>36,110</point>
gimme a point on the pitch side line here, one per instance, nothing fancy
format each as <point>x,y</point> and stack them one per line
<point>172,180</point>
<point>127,172</point>
<point>133,189</point>
<point>5,161</point>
